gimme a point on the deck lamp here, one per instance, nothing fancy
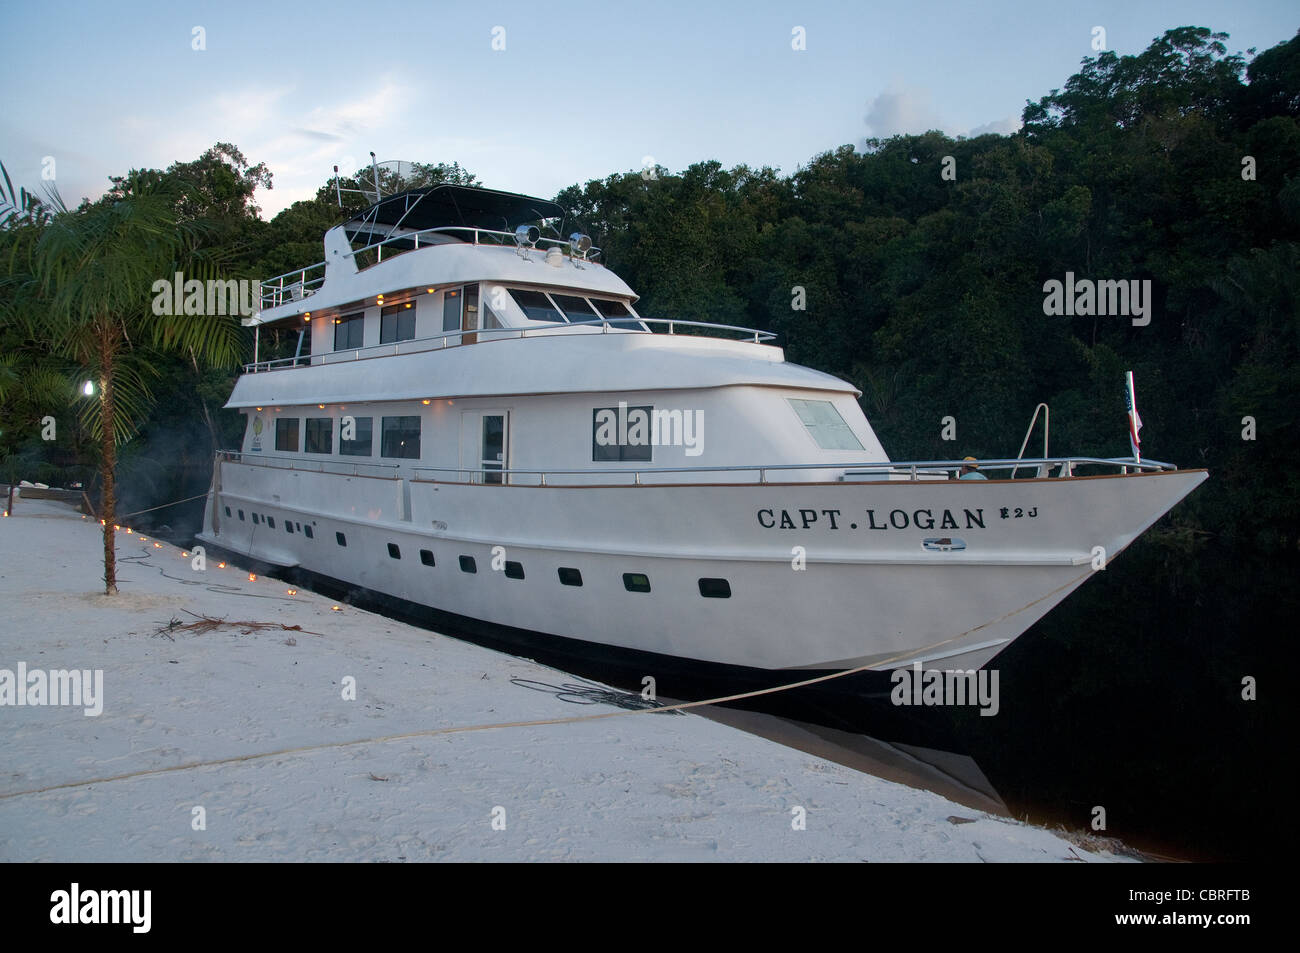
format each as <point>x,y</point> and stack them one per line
<point>580,244</point>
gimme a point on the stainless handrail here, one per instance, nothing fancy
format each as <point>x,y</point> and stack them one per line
<point>273,289</point>
<point>1046,427</point>
<point>550,330</point>
<point>334,466</point>
<point>912,468</point>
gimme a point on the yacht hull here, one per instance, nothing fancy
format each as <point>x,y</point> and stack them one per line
<point>821,576</point>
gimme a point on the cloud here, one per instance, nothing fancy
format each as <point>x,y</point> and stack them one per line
<point>318,135</point>
<point>902,112</point>
<point>1000,126</point>
<point>247,108</point>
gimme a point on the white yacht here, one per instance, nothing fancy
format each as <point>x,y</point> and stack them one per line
<point>478,421</point>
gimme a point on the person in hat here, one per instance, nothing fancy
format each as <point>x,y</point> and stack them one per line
<point>970,471</point>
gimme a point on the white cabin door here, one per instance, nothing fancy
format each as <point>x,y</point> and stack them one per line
<point>485,444</point>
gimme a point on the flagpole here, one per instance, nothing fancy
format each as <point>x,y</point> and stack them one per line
<point>1134,421</point>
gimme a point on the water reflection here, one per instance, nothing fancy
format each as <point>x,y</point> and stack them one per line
<point>949,774</point>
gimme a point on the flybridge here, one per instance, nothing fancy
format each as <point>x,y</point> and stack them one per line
<point>440,206</point>
<point>433,266</point>
<point>434,215</point>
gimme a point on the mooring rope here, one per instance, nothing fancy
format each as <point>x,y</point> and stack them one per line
<point>118,518</point>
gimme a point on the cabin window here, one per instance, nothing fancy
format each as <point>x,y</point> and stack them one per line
<point>349,331</point>
<point>621,434</point>
<point>286,434</point>
<point>616,309</point>
<point>575,308</point>
<point>426,557</point>
<point>467,564</point>
<point>636,582</point>
<point>394,552</point>
<point>536,306</point>
<point>241,516</point>
<point>255,519</point>
<point>361,443</point>
<point>715,589</point>
<point>610,309</point>
<point>227,511</point>
<point>340,539</point>
<point>306,531</point>
<point>397,323</point>
<point>570,576</point>
<point>288,527</point>
<point>514,570</point>
<point>825,425</point>
<point>320,435</point>
<point>469,320</point>
<point>401,438</point>
<point>451,301</point>
<point>270,521</point>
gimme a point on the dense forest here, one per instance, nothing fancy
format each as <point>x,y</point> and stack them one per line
<point>916,267</point>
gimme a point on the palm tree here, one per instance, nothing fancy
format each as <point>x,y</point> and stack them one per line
<point>83,285</point>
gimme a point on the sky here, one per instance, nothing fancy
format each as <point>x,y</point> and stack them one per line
<point>534,97</point>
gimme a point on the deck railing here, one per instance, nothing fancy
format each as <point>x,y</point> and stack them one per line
<point>326,464</point>
<point>909,470</point>
<point>917,470</point>
<point>453,338</point>
<point>304,282</point>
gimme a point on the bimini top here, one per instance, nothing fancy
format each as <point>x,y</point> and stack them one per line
<point>439,206</point>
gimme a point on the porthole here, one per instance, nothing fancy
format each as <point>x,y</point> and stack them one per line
<point>715,589</point>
